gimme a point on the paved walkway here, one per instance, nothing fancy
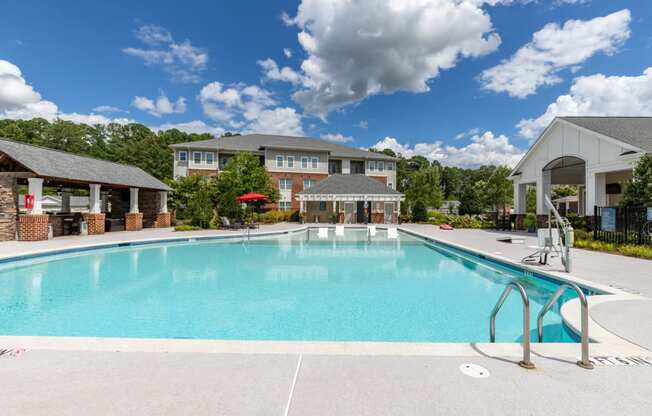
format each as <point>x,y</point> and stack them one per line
<point>114,383</point>
<point>630,319</point>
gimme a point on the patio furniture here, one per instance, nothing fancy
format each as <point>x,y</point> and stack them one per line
<point>227,225</point>
<point>371,229</point>
<point>322,233</point>
<point>392,233</point>
<point>339,230</point>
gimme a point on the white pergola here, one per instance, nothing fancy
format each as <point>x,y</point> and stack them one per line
<point>335,198</point>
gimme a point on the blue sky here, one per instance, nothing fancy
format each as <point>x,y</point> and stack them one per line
<point>462,81</point>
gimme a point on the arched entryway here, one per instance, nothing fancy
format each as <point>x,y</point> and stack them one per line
<point>570,171</point>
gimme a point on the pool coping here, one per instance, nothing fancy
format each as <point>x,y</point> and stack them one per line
<point>606,343</point>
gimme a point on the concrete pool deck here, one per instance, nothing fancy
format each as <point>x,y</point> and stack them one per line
<point>336,380</point>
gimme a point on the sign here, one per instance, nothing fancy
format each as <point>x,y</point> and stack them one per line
<point>608,219</point>
<point>29,201</point>
<point>622,361</point>
<point>649,214</point>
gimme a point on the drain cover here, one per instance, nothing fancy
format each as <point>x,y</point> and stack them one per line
<point>474,370</point>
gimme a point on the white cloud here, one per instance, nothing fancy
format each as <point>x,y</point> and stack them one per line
<point>153,35</point>
<point>597,95</point>
<point>357,49</point>
<point>555,48</point>
<point>181,60</point>
<point>195,126</point>
<point>19,100</point>
<point>108,109</point>
<point>162,105</point>
<point>471,132</point>
<point>287,52</point>
<point>485,149</point>
<point>250,108</point>
<point>363,124</point>
<point>336,138</point>
<point>272,71</point>
<point>282,120</point>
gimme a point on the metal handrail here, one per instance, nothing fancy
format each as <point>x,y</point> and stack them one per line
<point>525,363</point>
<point>566,230</point>
<point>584,362</point>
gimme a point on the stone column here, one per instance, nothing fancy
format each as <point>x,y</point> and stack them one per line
<point>95,218</point>
<point>163,218</point>
<point>134,218</point>
<point>8,208</point>
<point>596,191</point>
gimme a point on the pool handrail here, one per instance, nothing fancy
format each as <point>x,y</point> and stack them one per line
<point>584,304</point>
<point>525,362</point>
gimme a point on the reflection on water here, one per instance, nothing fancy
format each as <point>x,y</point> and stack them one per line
<point>295,287</point>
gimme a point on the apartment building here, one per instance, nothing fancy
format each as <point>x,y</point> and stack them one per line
<point>294,163</point>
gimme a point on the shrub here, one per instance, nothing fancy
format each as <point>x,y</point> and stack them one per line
<point>581,234</point>
<point>273,217</point>
<point>461,221</point>
<point>436,217</point>
<point>419,213</point>
<point>630,250</point>
<point>530,220</point>
<point>186,227</point>
<point>578,222</point>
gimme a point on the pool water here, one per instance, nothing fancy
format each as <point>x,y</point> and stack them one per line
<point>290,287</point>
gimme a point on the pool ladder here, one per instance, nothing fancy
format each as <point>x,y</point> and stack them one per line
<point>584,304</point>
<point>526,362</point>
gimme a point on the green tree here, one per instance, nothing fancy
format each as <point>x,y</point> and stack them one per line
<point>452,179</point>
<point>500,190</point>
<point>639,189</point>
<point>472,199</point>
<point>562,191</point>
<point>531,199</point>
<point>419,212</point>
<point>424,186</point>
<point>243,173</point>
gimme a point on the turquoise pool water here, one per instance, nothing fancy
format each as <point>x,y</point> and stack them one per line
<point>290,287</point>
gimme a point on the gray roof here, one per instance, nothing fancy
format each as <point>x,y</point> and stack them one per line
<point>49,163</point>
<point>256,142</point>
<point>636,131</point>
<point>349,185</point>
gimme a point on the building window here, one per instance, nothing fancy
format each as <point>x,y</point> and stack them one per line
<point>372,165</point>
<point>210,158</point>
<point>322,205</point>
<point>304,163</point>
<point>279,161</point>
<point>290,161</point>
<point>183,156</point>
<point>315,162</point>
<point>285,205</point>
<point>391,185</point>
<point>381,166</point>
<point>196,158</point>
<point>307,183</point>
<point>285,184</point>
<point>390,165</point>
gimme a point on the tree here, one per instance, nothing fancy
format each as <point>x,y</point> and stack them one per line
<point>424,187</point>
<point>451,182</point>
<point>243,173</point>
<point>639,189</point>
<point>500,190</point>
<point>472,199</point>
<point>562,191</point>
<point>419,212</point>
<point>531,199</point>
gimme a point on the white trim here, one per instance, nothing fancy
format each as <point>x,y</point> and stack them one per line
<point>290,158</point>
<point>350,197</point>
<point>280,158</point>
<point>194,153</point>
<point>314,162</point>
<point>212,162</point>
<point>185,155</point>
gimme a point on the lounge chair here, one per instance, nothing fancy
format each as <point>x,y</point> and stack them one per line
<point>227,225</point>
<point>322,233</point>
<point>339,230</point>
<point>548,241</point>
<point>392,233</point>
<point>372,230</point>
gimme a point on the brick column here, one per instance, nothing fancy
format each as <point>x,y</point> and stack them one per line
<point>95,222</point>
<point>163,220</point>
<point>133,221</point>
<point>34,227</point>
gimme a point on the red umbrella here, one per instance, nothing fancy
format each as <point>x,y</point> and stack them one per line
<point>251,196</point>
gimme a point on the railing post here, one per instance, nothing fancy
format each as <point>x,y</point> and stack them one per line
<point>595,222</point>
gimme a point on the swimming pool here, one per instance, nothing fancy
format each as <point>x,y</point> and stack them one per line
<point>288,287</point>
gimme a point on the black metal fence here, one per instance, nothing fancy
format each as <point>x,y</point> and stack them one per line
<point>631,225</point>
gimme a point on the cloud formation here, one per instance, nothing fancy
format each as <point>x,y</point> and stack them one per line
<point>367,47</point>
<point>195,126</point>
<point>19,100</point>
<point>597,95</point>
<point>183,61</point>
<point>484,149</point>
<point>336,138</point>
<point>554,49</point>
<point>160,106</point>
